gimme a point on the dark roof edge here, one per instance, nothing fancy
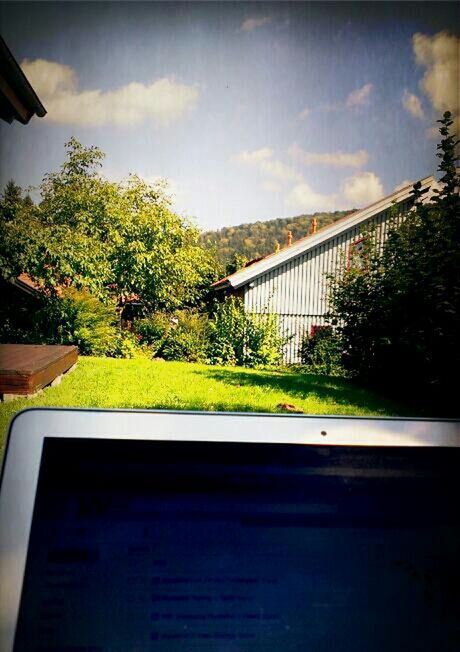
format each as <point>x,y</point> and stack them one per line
<point>20,81</point>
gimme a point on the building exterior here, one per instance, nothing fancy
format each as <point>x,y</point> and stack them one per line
<point>293,281</point>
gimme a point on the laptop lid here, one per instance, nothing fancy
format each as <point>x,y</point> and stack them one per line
<point>163,531</point>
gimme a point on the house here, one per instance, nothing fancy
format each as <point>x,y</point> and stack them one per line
<point>292,282</point>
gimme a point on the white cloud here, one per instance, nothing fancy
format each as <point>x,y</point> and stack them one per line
<point>362,189</point>
<point>360,96</point>
<point>303,198</point>
<point>163,101</point>
<point>358,191</point>
<point>271,186</point>
<point>262,159</point>
<point>333,159</point>
<point>251,24</point>
<point>403,184</point>
<point>303,115</point>
<point>412,104</point>
<point>254,157</point>
<point>279,170</point>
<point>440,56</point>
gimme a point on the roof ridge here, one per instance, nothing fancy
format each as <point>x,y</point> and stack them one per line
<point>223,282</point>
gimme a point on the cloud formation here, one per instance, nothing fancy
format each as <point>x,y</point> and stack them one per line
<point>362,189</point>
<point>303,115</point>
<point>255,156</point>
<point>250,24</point>
<point>263,160</point>
<point>303,198</point>
<point>412,104</point>
<point>332,159</point>
<point>163,101</point>
<point>439,55</point>
<point>357,191</point>
<point>359,97</point>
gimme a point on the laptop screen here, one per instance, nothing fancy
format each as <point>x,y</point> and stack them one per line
<point>237,547</point>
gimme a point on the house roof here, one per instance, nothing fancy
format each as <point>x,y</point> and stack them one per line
<point>247,274</point>
<point>18,100</point>
<point>25,283</point>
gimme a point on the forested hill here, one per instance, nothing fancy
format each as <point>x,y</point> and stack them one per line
<point>261,238</point>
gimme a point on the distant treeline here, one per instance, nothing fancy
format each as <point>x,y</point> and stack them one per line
<point>261,238</point>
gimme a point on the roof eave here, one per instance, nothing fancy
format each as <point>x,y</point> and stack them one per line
<point>15,89</point>
<point>222,284</point>
<point>246,275</point>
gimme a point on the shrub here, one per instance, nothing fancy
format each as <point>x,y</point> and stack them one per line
<point>153,330</point>
<point>181,335</point>
<point>247,339</point>
<point>399,317</point>
<point>77,317</point>
<point>321,352</point>
<point>187,337</point>
<point>127,346</point>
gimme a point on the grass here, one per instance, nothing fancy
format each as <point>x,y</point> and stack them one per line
<point>147,384</point>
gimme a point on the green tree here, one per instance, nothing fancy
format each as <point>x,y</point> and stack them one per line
<point>113,239</point>
<point>11,201</point>
<point>399,315</point>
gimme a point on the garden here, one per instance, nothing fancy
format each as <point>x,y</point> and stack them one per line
<point>141,383</point>
<point>112,269</point>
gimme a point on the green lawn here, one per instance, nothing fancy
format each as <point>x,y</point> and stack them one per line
<point>142,383</point>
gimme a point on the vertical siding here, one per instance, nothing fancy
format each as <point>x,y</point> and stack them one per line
<point>297,289</point>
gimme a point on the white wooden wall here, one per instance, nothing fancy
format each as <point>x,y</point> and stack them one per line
<point>297,290</point>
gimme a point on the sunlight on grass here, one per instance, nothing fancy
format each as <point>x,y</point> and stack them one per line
<point>150,384</point>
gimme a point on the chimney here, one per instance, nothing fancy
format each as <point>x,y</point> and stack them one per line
<point>314,223</point>
<point>289,238</point>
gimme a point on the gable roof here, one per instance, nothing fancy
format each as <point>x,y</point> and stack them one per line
<point>247,274</point>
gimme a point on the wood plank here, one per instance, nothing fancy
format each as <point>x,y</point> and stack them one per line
<point>26,368</point>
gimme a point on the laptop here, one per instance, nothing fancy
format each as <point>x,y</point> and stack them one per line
<point>125,531</point>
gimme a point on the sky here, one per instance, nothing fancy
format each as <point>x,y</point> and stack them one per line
<point>251,110</point>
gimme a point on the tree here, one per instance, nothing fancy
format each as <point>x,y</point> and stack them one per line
<point>399,315</point>
<point>11,201</point>
<point>114,239</point>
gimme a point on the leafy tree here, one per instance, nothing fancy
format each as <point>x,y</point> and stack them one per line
<point>11,201</point>
<point>399,315</point>
<point>113,239</point>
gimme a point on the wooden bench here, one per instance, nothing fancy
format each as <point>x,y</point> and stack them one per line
<point>26,368</point>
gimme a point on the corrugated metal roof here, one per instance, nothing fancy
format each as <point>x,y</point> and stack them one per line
<point>247,274</point>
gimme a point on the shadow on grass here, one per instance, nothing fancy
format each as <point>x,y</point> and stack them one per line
<point>300,386</point>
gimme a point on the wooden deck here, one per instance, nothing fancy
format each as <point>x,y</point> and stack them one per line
<point>27,368</point>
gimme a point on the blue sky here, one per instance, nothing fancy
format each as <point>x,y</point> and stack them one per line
<point>251,110</point>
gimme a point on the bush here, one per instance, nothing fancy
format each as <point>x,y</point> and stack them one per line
<point>247,339</point>
<point>182,335</point>
<point>77,317</point>
<point>187,338</point>
<point>153,330</point>
<point>321,352</point>
<point>399,317</point>
<point>127,346</point>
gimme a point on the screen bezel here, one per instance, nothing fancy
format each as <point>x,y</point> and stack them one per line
<point>30,427</point>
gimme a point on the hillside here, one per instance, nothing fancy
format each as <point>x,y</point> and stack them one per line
<point>262,238</point>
